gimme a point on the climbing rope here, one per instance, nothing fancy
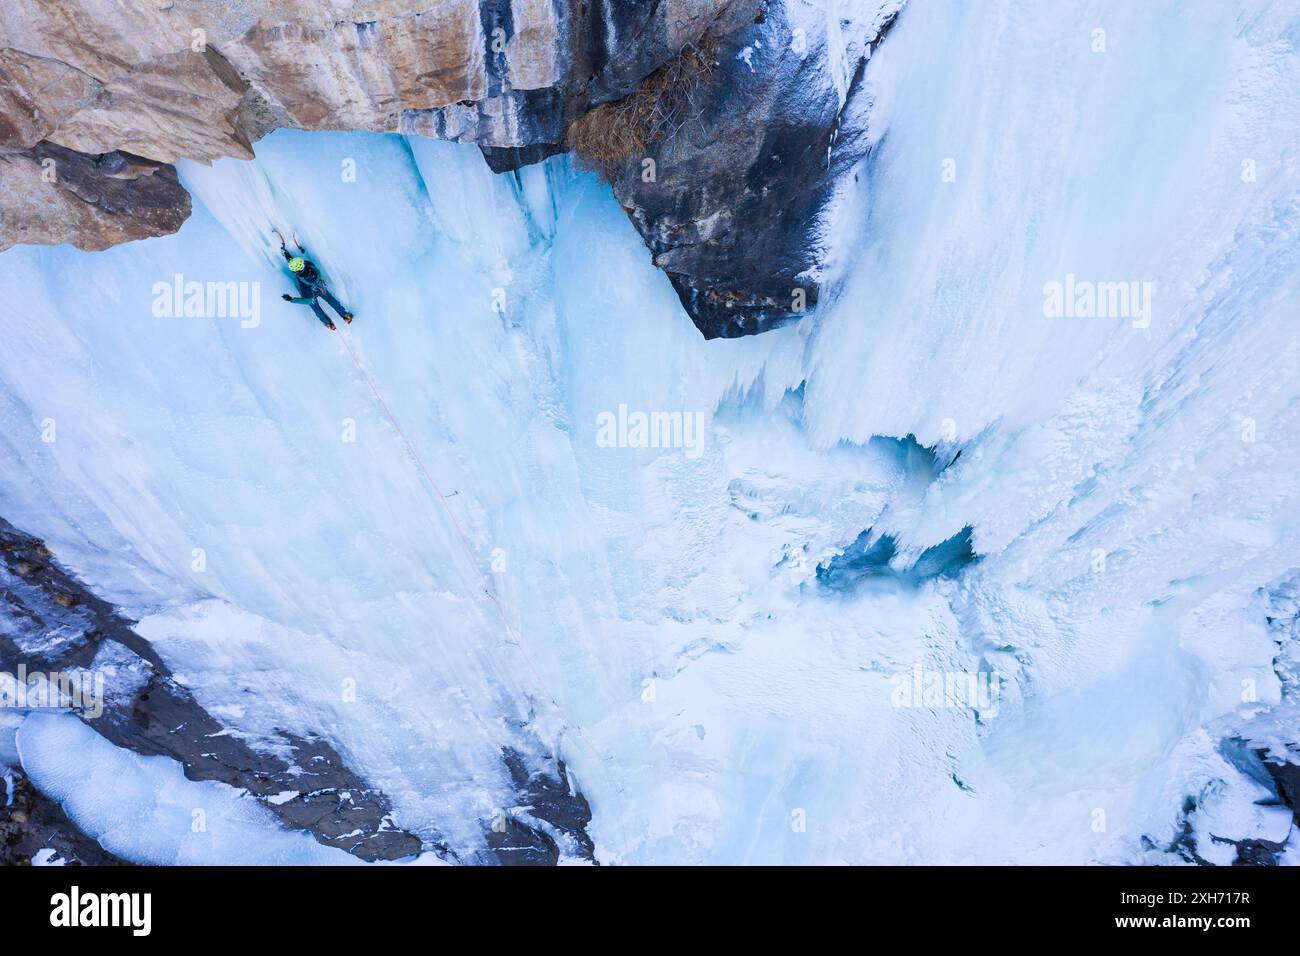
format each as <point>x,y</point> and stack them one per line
<point>420,466</point>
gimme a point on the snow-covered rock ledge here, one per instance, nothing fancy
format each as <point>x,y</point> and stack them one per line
<point>52,628</point>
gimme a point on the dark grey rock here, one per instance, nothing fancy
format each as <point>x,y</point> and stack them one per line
<point>1286,781</point>
<point>742,182</point>
<point>550,820</point>
<point>31,822</point>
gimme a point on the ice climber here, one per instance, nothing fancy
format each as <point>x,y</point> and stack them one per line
<point>312,287</point>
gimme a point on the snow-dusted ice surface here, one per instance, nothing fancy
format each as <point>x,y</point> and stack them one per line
<point>479,568</point>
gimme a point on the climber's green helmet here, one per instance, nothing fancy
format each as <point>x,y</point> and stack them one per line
<point>297,264</point>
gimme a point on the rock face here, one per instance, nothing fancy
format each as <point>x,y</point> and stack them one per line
<point>745,166</point>
<point>204,78</point>
<point>54,195</point>
<point>737,204</point>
